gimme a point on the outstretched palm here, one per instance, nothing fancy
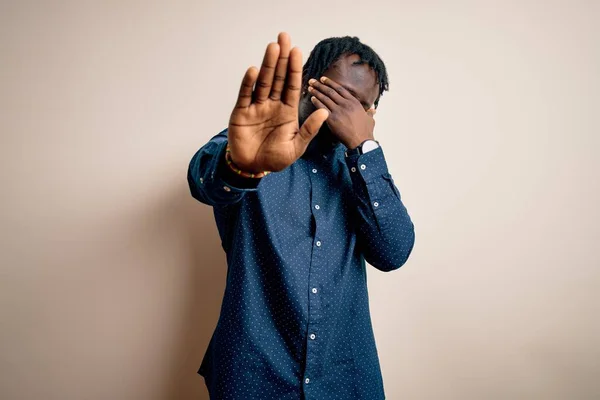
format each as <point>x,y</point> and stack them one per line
<point>264,133</point>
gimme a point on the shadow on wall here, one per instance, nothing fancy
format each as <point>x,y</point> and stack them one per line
<point>205,271</point>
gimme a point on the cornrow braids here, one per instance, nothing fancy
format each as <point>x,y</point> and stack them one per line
<point>328,51</point>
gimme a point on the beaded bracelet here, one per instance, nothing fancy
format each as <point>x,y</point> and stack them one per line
<point>238,171</point>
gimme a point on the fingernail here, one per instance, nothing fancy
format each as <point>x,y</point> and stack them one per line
<point>311,81</point>
<point>323,79</point>
<point>310,89</point>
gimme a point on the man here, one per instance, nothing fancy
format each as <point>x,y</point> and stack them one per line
<point>300,205</point>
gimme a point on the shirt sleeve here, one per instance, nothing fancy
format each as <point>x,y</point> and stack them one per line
<point>385,230</point>
<point>210,179</point>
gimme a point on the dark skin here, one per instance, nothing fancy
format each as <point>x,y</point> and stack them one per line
<point>348,92</point>
<point>270,126</point>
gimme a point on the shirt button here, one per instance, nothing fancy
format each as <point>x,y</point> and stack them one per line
<point>376,204</point>
<point>317,206</point>
<point>314,170</point>
<point>227,188</point>
<point>312,336</point>
<point>314,290</point>
<point>318,243</point>
<point>307,380</point>
<point>353,169</point>
<point>363,166</point>
<point>201,180</point>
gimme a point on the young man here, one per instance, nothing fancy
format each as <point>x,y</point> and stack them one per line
<point>300,205</point>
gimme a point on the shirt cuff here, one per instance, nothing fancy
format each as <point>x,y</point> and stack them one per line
<point>229,179</point>
<point>367,166</point>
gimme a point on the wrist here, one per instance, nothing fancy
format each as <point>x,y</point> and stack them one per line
<point>242,172</point>
<point>357,142</point>
<point>353,144</point>
<point>364,147</point>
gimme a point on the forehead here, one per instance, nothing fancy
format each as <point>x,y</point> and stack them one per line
<point>359,78</point>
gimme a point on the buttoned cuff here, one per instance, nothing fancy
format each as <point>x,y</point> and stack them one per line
<point>373,186</point>
<point>368,166</point>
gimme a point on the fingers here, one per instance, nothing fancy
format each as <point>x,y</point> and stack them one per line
<point>342,91</point>
<point>332,90</point>
<point>319,104</point>
<point>266,74</point>
<point>282,64</point>
<point>310,127</point>
<point>245,95</point>
<point>371,113</point>
<point>322,98</point>
<point>291,91</point>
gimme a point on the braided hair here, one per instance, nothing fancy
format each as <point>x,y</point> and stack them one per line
<point>328,51</point>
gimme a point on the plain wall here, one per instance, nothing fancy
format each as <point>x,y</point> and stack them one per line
<point>112,276</point>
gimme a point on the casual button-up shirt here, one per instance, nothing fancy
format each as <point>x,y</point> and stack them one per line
<point>295,320</point>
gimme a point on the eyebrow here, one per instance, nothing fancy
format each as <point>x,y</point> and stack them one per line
<point>358,97</point>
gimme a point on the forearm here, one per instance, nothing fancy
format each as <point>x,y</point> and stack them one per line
<point>384,228</point>
<point>211,181</point>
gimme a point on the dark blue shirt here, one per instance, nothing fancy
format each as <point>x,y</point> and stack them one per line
<point>295,320</point>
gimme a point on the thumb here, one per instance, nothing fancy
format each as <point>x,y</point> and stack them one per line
<point>311,126</point>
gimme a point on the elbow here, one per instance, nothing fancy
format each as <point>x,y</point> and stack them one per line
<point>402,256</point>
<point>396,254</point>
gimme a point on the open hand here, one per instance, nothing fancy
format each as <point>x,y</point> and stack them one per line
<point>264,132</point>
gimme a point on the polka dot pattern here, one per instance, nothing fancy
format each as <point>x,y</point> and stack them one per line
<point>295,320</point>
